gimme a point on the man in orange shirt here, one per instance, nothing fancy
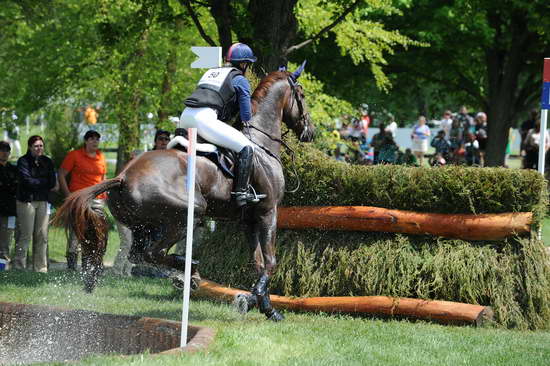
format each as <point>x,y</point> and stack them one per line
<point>86,167</point>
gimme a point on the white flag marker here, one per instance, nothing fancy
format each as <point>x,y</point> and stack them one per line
<point>208,57</point>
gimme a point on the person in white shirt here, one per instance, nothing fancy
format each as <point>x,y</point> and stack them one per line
<point>420,136</point>
<point>446,123</point>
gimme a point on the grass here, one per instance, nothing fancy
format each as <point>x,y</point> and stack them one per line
<point>302,339</point>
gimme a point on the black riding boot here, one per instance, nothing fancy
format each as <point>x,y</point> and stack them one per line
<point>242,191</point>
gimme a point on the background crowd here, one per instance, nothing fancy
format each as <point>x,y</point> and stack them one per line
<point>461,139</point>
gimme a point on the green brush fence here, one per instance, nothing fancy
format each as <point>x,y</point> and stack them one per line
<point>512,276</point>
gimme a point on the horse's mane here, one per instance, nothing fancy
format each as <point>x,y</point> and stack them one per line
<point>265,84</point>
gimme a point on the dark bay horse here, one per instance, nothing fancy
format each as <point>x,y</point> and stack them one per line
<point>149,196</point>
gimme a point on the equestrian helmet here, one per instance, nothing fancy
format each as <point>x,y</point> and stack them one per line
<point>239,52</point>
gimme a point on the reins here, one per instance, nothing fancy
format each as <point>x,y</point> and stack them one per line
<point>302,117</point>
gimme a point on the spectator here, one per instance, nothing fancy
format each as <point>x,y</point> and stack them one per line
<point>471,150</point>
<point>531,146</point>
<point>408,158</point>
<point>524,129</point>
<point>388,150</point>
<point>441,145</point>
<point>456,139</point>
<point>466,121</point>
<point>392,126</point>
<point>8,189</point>
<point>481,135</point>
<point>36,178</point>
<point>162,138</point>
<point>446,123</point>
<point>377,141</point>
<point>86,167</point>
<point>420,134</point>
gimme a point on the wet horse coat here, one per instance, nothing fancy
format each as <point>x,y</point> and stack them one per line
<point>149,196</point>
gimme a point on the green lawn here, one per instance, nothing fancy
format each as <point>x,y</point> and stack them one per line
<point>302,339</point>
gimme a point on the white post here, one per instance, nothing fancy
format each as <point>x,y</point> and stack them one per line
<point>208,57</point>
<point>191,157</point>
<point>542,144</point>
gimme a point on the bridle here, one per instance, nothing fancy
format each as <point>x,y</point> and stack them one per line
<point>301,119</point>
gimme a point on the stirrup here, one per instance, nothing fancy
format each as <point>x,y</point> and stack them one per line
<point>249,196</point>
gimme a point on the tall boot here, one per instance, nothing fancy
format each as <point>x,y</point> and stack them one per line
<point>242,193</point>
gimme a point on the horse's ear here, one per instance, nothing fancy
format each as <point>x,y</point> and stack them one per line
<point>296,74</point>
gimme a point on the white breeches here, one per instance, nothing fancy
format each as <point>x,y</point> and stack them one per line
<point>212,130</point>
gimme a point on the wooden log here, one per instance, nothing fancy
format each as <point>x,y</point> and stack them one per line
<point>441,311</point>
<point>364,218</point>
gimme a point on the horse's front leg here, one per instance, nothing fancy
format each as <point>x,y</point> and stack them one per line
<point>262,235</point>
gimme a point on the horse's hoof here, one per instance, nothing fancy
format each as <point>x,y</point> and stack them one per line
<point>276,316</point>
<point>244,303</point>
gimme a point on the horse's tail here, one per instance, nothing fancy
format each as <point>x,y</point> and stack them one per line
<point>79,214</point>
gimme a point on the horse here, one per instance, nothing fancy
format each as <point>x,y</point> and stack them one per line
<point>150,197</point>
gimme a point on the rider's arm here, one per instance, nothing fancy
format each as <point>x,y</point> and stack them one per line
<point>242,89</point>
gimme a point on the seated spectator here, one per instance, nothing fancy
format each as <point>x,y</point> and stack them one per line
<point>8,189</point>
<point>388,150</point>
<point>471,150</point>
<point>408,158</point>
<point>438,160</point>
<point>441,145</point>
<point>36,178</point>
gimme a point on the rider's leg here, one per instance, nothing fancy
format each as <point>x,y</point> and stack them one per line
<point>219,133</point>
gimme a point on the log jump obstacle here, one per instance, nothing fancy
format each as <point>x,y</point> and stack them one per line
<point>442,311</point>
<point>365,218</point>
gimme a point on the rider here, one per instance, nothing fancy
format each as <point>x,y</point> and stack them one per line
<point>221,93</point>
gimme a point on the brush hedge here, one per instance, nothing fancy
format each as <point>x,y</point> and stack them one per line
<point>512,276</point>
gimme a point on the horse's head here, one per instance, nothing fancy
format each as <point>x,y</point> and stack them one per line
<point>295,113</point>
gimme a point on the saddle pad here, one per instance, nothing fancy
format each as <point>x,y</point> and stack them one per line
<point>223,158</point>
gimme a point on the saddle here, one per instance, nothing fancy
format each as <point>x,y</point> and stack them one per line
<point>223,158</point>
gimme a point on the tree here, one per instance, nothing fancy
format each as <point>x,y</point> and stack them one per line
<point>125,53</point>
<point>487,53</point>
<point>278,28</point>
